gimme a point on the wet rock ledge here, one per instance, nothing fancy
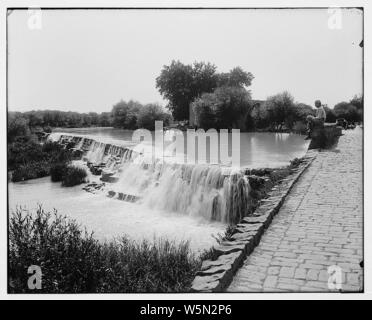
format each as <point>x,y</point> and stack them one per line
<point>216,275</point>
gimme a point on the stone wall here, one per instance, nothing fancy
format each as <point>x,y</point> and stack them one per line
<point>325,137</point>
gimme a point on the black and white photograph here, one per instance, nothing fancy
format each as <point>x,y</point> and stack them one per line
<point>184,150</point>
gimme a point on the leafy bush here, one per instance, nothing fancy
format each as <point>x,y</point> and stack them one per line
<point>57,171</point>
<point>31,170</point>
<point>71,260</point>
<point>22,151</point>
<point>73,176</point>
<point>29,159</point>
<point>51,146</point>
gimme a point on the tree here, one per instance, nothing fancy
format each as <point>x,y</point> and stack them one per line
<point>17,126</point>
<point>237,77</point>
<point>347,111</point>
<point>205,109</point>
<point>124,114</point>
<point>281,110</point>
<point>303,110</point>
<point>105,119</point>
<point>180,84</point>
<point>150,113</point>
<point>35,118</point>
<point>330,115</point>
<point>223,108</point>
<point>358,103</point>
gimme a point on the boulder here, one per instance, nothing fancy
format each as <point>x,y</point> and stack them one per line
<point>109,176</point>
<point>96,170</point>
<point>243,228</point>
<point>225,249</point>
<point>206,284</point>
<point>111,194</point>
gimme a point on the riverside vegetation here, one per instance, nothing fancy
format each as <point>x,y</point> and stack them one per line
<point>198,94</point>
<point>28,159</point>
<point>72,260</point>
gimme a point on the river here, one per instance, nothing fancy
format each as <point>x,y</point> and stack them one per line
<point>110,218</point>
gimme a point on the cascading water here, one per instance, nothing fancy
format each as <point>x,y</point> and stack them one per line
<point>212,192</point>
<point>96,153</point>
<point>198,190</point>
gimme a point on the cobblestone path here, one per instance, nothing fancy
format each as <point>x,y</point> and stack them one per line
<point>319,225</point>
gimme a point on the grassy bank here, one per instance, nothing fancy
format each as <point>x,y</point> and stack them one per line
<point>72,260</point>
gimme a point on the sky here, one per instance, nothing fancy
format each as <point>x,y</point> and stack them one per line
<point>87,60</point>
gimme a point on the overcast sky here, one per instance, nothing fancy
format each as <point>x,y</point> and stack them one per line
<point>87,60</point>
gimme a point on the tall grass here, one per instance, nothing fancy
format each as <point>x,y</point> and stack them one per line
<point>72,260</point>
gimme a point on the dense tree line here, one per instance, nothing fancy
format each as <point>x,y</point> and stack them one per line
<point>126,115</point>
<point>133,115</point>
<point>197,92</point>
<point>213,99</point>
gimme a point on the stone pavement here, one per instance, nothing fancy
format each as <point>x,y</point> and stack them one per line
<point>319,225</point>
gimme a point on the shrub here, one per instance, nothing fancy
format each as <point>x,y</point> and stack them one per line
<point>67,256</point>
<point>29,159</point>
<point>23,151</point>
<point>30,170</point>
<point>57,171</point>
<point>71,260</point>
<point>74,176</point>
<point>51,146</point>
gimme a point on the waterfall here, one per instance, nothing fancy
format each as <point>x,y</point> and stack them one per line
<point>197,190</point>
<point>96,153</point>
<point>54,137</point>
<point>208,191</point>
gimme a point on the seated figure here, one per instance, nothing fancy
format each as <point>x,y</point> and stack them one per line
<point>318,120</point>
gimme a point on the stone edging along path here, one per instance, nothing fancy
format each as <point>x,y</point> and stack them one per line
<point>216,275</point>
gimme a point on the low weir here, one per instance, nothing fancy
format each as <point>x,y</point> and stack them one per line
<point>207,191</point>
